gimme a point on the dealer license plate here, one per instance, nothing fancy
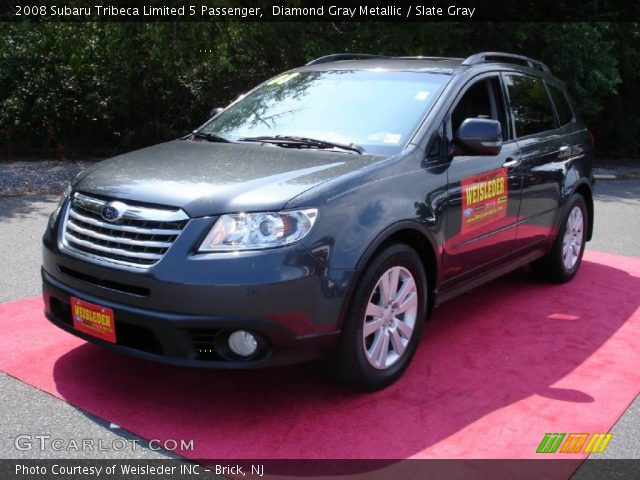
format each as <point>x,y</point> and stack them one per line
<point>93,320</point>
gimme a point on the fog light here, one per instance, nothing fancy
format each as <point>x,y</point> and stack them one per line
<point>243,343</point>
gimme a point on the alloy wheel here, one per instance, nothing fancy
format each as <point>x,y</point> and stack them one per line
<point>390,317</point>
<point>573,236</point>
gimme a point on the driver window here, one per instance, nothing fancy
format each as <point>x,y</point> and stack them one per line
<point>479,101</point>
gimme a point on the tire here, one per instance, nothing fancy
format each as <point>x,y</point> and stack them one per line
<point>563,261</point>
<point>380,335</point>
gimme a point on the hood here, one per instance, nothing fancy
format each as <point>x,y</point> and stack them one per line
<point>205,178</point>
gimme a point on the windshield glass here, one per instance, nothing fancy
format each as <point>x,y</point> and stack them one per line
<point>375,109</point>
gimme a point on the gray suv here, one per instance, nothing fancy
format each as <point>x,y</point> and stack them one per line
<point>324,214</point>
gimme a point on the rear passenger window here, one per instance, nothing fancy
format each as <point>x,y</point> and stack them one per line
<point>563,108</point>
<point>530,104</point>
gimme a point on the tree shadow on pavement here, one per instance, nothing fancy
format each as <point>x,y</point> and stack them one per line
<point>37,206</point>
<point>625,191</point>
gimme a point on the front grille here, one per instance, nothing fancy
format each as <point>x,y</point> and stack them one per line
<point>137,236</point>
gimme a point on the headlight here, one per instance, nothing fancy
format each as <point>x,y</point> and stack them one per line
<point>253,231</point>
<point>56,212</point>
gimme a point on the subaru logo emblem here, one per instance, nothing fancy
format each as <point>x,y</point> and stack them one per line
<point>113,211</point>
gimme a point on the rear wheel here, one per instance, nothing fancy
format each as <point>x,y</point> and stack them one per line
<point>381,332</point>
<point>563,261</point>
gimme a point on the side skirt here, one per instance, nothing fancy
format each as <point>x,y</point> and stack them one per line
<point>448,294</point>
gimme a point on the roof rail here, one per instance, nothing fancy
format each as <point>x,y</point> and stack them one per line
<point>343,56</point>
<point>485,57</point>
<point>422,57</point>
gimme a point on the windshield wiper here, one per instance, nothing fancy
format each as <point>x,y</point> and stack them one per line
<point>290,140</point>
<point>211,137</point>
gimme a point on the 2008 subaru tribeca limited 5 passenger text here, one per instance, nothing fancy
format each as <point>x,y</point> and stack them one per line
<point>325,213</point>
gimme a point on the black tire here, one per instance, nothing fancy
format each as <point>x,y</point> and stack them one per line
<point>352,363</point>
<point>552,267</point>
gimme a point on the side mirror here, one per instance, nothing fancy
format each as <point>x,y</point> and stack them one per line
<point>216,111</point>
<point>478,136</point>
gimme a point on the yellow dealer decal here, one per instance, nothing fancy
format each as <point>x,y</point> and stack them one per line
<point>484,199</point>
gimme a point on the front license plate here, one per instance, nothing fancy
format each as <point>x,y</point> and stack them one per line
<point>93,320</point>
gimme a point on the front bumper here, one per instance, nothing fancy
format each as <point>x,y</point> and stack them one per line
<point>182,310</point>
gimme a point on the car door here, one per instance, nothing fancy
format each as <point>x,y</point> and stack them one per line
<point>483,192</point>
<point>544,150</point>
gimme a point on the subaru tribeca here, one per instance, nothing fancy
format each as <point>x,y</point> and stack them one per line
<point>325,213</point>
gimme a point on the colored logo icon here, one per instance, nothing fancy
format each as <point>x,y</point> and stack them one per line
<point>574,443</point>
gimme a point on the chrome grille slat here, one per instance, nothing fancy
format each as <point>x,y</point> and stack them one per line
<point>133,212</point>
<point>124,240</point>
<point>124,228</point>
<point>116,251</point>
<point>138,236</point>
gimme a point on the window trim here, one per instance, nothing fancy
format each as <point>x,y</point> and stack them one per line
<point>500,104</point>
<point>510,111</point>
<point>438,132</point>
<point>563,92</point>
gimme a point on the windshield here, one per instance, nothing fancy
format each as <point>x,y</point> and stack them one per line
<point>375,109</point>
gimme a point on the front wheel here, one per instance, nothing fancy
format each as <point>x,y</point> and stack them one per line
<point>563,261</point>
<point>383,326</point>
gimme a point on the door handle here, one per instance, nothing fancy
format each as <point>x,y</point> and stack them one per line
<point>511,162</point>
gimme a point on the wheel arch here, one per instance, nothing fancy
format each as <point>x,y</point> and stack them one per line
<point>584,189</point>
<point>418,239</point>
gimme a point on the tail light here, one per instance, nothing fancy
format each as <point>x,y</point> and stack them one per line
<point>592,137</point>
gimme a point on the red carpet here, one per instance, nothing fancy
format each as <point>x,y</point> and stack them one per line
<point>497,369</point>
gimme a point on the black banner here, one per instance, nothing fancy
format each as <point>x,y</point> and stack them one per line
<point>322,11</point>
<point>177,469</point>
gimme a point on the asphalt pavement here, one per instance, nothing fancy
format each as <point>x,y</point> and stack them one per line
<point>617,217</point>
<point>22,223</point>
<point>27,410</point>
